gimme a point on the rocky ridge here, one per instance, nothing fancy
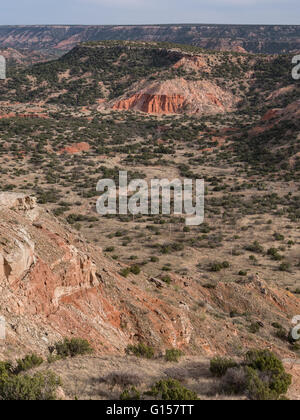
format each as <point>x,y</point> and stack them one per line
<point>251,38</point>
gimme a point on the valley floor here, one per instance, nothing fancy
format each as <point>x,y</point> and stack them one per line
<point>105,378</point>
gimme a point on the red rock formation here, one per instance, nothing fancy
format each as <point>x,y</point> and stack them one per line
<point>76,148</point>
<point>153,104</point>
<point>53,285</point>
<point>177,96</point>
<point>192,62</point>
<point>10,115</point>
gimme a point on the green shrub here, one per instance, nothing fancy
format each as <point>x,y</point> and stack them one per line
<point>282,334</point>
<point>173,355</point>
<point>255,247</point>
<point>285,267</point>
<point>225,264</point>
<point>267,379</point>
<point>41,386</point>
<point>277,326</point>
<point>217,266</point>
<point>53,358</point>
<point>72,347</point>
<point>219,366</point>
<point>30,361</point>
<point>171,390</point>
<point>257,389</point>
<point>109,249</point>
<point>141,350</point>
<point>264,361</point>
<point>254,327</point>
<point>242,273</point>
<point>131,394</point>
<point>264,387</point>
<point>278,236</point>
<point>135,269</point>
<point>166,279</point>
<point>209,286</point>
<point>261,377</point>
<point>274,254</point>
<point>280,383</point>
<point>125,272</point>
<point>5,368</point>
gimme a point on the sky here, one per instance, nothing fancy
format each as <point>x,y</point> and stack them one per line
<point>121,12</point>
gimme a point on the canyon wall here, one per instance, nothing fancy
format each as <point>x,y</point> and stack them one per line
<point>251,38</point>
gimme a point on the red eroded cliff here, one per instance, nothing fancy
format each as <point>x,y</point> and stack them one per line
<point>53,285</point>
<point>176,96</point>
<point>153,104</point>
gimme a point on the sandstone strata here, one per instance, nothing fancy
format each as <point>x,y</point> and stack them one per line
<point>178,96</point>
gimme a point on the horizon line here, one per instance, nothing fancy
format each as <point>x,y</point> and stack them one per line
<point>145,24</point>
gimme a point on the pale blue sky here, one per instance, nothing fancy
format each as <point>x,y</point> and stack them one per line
<point>149,11</point>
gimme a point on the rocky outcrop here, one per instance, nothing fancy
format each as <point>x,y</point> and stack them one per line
<point>17,255</point>
<point>16,201</point>
<point>178,96</point>
<point>153,104</point>
<point>192,63</point>
<point>53,285</point>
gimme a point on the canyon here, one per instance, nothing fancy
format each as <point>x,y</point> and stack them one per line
<point>153,109</point>
<point>268,39</point>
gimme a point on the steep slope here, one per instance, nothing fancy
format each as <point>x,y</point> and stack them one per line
<point>272,39</point>
<point>53,284</point>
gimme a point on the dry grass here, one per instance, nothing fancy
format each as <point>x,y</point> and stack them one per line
<point>95,378</point>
